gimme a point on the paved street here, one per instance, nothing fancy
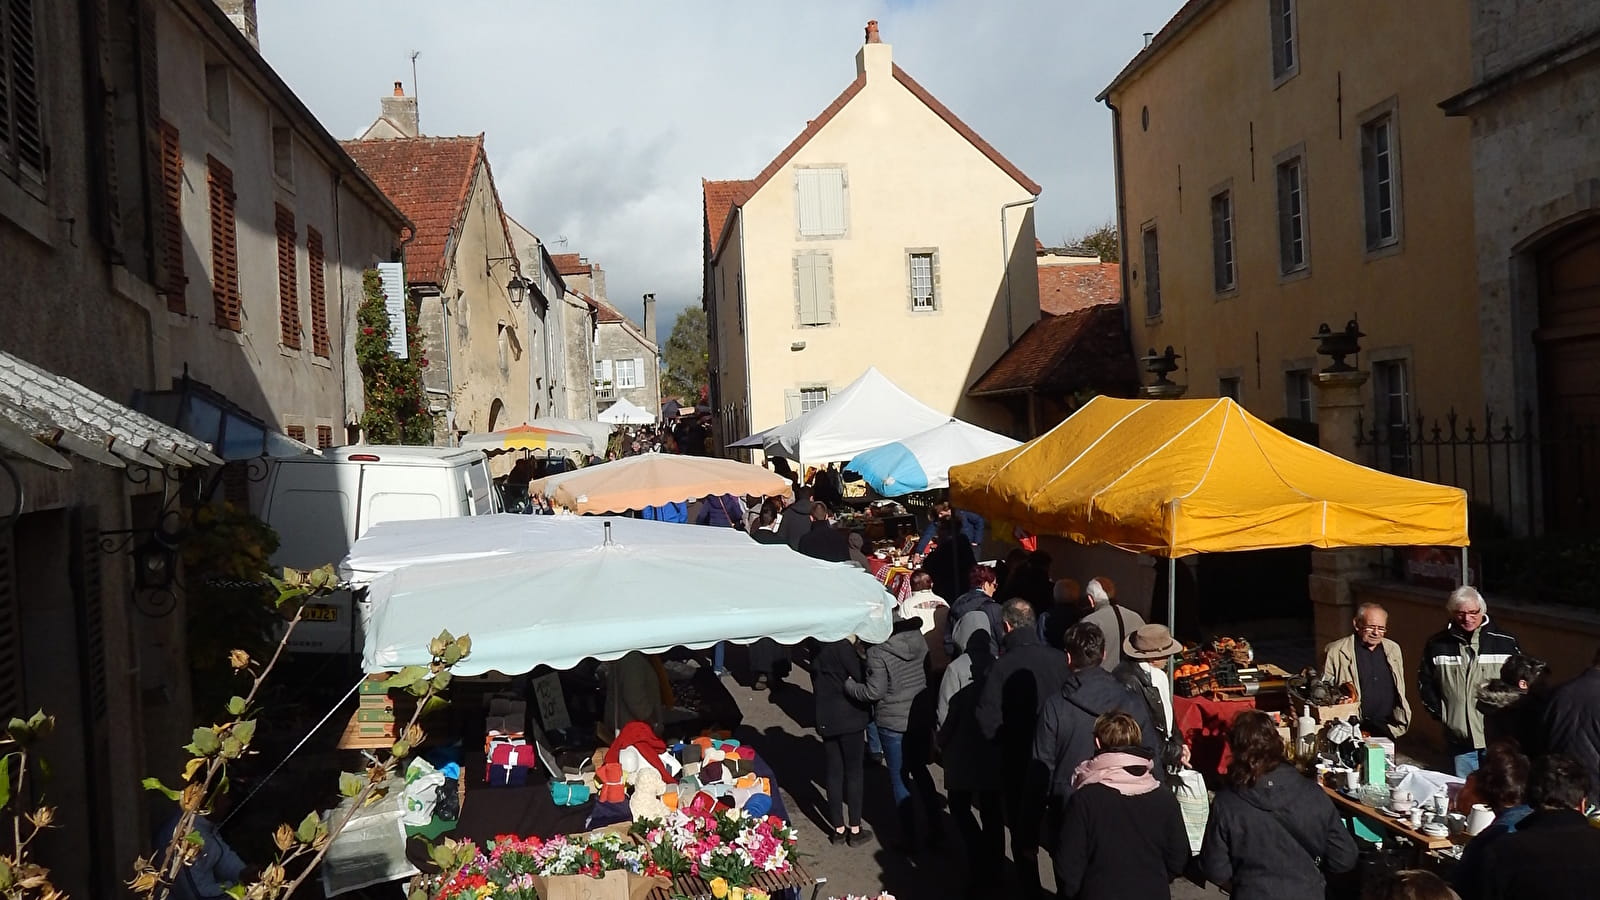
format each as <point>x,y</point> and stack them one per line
<point>780,727</point>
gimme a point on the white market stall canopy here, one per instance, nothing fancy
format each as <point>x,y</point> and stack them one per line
<point>922,462</point>
<point>597,433</point>
<point>869,412</point>
<point>551,590</point>
<point>624,412</point>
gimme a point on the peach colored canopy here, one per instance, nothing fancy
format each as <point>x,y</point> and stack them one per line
<point>655,479</point>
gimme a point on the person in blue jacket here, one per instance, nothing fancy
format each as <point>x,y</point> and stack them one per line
<point>971,526</point>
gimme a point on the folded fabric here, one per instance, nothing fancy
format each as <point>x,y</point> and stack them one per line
<point>691,753</point>
<point>508,776</point>
<point>758,805</point>
<point>672,764</point>
<point>508,753</point>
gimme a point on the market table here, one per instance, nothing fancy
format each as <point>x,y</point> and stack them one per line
<point>694,888</point>
<point>1350,808</point>
<point>1204,725</point>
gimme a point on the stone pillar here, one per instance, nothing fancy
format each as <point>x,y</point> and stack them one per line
<point>1163,391</point>
<point>1339,406</point>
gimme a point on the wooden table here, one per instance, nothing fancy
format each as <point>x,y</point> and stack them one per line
<point>797,879</point>
<point>1387,823</point>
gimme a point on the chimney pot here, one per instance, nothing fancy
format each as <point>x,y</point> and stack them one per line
<point>399,89</point>
<point>1149,37</point>
<point>243,15</point>
<point>872,32</point>
<point>401,111</point>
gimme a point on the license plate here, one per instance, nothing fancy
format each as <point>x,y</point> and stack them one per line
<point>319,613</point>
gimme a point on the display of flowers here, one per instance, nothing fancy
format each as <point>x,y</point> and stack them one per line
<point>883,896</point>
<point>507,871</point>
<point>716,844</point>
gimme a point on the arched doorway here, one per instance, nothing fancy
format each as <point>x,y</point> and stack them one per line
<point>495,409</point>
<point>1568,341</point>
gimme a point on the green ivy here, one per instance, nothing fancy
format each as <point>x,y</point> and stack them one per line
<point>397,407</point>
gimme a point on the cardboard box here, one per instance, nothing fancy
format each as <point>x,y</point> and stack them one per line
<point>616,885</point>
<point>375,685</point>
<point>1338,712</point>
<point>374,715</point>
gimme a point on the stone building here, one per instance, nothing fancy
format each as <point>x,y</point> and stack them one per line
<point>462,270</point>
<point>547,346</point>
<point>141,274</point>
<point>627,361</point>
<point>1533,99</point>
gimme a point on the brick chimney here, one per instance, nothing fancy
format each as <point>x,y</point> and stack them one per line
<point>401,110</point>
<point>650,319</point>
<point>243,15</point>
<point>874,61</point>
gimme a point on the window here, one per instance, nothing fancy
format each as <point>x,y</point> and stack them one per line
<point>1298,397</point>
<point>283,152</point>
<point>296,432</point>
<point>219,106</point>
<point>922,283</point>
<point>21,121</point>
<point>813,397</point>
<point>1228,387</point>
<point>1379,182</point>
<point>627,374</point>
<point>813,280</point>
<point>224,246</point>
<point>1391,392</point>
<point>603,384</point>
<point>288,278</point>
<point>1291,215</point>
<point>315,263</point>
<point>169,229</point>
<point>324,437</point>
<point>1285,46</point>
<point>820,202</point>
<point>1152,274</point>
<point>1222,275</point>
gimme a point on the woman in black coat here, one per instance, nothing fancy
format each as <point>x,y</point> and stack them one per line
<point>842,725</point>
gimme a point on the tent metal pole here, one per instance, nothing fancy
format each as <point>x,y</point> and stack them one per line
<point>1466,570</point>
<point>1172,595</point>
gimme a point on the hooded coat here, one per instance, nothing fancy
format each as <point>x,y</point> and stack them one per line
<point>1022,681</point>
<point>967,760</point>
<point>976,598</point>
<point>1066,727</point>
<point>896,674</point>
<point>1249,843</point>
<point>835,665</point>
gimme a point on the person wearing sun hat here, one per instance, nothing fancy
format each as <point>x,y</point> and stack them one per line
<point>1143,670</point>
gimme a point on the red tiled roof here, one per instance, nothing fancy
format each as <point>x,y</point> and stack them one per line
<point>720,199</point>
<point>740,191</point>
<point>429,179</point>
<point>604,312</point>
<point>571,264</point>
<point>1085,349</point>
<point>1064,288</point>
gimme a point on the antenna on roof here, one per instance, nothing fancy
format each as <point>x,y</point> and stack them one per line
<point>416,95</point>
<point>562,240</point>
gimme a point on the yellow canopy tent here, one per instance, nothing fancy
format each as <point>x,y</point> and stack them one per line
<point>1178,477</point>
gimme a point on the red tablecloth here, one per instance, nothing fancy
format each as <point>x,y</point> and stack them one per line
<point>1204,724</point>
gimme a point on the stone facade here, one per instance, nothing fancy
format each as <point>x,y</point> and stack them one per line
<point>633,361</point>
<point>580,325</point>
<point>1535,113</point>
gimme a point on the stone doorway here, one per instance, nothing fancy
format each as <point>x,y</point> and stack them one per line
<point>1568,347</point>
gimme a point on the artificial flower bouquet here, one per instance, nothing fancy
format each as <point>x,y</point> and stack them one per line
<point>534,869</point>
<point>715,843</point>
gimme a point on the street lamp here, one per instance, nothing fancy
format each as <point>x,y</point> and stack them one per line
<point>517,288</point>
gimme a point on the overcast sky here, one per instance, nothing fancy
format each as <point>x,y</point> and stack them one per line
<point>602,116</point>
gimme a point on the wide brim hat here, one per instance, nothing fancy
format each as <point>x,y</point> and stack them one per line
<point>1150,642</point>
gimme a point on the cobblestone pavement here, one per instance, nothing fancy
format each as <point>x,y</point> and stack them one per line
<point>779,725</point>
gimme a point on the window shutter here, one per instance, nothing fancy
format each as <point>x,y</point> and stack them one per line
<point>806,273</point>
<point>822,272</point>
<point>297,432</point>
<point>808,202</point>
<point>319,294</point>
<point>11,670</point>
<point>224,246</point>
<point>169,232</point>
<point>21,129</point>
<point>288,278</point>
<point>791,404</point>
<point>91,603</point>
<point>608,370</point>
<point>830,200</point>
<point>324,437</point>
<point>638,372</point>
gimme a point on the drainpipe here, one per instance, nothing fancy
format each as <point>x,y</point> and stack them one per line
<point>1122,217</point>
<point>1005,262</point>
<point>344,308</point>
<point>743,316</point>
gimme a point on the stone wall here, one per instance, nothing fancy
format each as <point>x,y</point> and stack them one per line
<point>1506,33</point>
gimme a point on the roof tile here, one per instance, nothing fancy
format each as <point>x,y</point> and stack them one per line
<point>1085,349</point>
<point>429,179</point>
<point>1064,288</point>
<point>571,264</point>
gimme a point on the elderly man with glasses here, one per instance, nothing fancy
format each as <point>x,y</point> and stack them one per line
<point>1456,662</point>
<point>1371,662</point>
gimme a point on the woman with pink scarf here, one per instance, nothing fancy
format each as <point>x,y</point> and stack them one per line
<point>1122,834</point>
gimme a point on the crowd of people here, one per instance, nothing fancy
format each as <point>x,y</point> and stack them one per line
<point>1050,709</point>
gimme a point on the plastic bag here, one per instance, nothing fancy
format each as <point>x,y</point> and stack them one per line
<point>1190,789</point>
<point>422,792</point>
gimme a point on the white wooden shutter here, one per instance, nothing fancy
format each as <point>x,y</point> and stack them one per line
<point>806,288</point>
<point>807,203</point>
<point>791,403</point>
<point>822,273</point>
<point>638,372</point>
<point>392,276</point>
<point>608,371</point>
<point>830,200</point>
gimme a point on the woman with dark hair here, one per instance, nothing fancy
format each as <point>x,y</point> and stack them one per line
<point>1513,705</point>
<point>842,725</point>
<point>1272,832</point>
<point>982,585</point>
<point>1122,835</point>
<point>1502,782</point>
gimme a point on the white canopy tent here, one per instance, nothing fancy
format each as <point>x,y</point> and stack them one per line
<point>869,412</point>
<point>596,432</point>
<point>625,412</point>
<point>553,590</point>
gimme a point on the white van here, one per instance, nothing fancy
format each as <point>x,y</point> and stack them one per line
<point>319,505</point>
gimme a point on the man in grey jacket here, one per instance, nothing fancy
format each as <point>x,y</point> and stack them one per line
<point>1114,621</point>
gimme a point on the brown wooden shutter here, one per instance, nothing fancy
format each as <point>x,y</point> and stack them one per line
<point>11,670</point>
<point>319,294</point>
<point>298,432</point>
<point>324,437</point>
<point>224,247</point>
<point>21,128</point>
<point>91,605</point>
<point>288,278</point>
<point>169,233</point>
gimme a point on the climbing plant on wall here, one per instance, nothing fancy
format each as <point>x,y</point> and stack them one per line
<point>397,408</point>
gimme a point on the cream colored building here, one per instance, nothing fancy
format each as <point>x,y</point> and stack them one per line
<point>888,233</point>
<point>460,268</point>
<point>1283,164</point>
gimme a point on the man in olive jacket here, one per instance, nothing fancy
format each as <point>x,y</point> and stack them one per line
<point>1373,664</point>
<point>1456,662</point>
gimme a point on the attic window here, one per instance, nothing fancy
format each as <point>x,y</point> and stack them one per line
<point>283,152</point>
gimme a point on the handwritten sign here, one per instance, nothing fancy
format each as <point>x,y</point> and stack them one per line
<point>552,703</point>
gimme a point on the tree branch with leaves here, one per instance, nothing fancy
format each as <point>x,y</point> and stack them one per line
<point>21,877</point>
